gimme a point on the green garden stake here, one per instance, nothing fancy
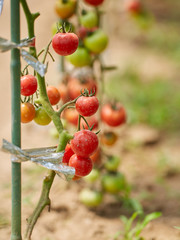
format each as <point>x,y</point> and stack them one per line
<point>16,121</point>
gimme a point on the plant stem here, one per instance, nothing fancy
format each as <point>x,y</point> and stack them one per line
<point>43,202</point>
<point>16,121</point>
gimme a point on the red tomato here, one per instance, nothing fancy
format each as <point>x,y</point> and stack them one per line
<point>84,143</point>
<point>133,6</point>
<point>82,165</point>
<point>87,106</point>
<point>71,115</point>
<point>65,43</point>
<point>28,85</point>
<point>65,9</point>
<point>76,178</point>
<point>91,121</point>
<point>96,156</point>
<point>67,154</point>
<point>53,95</point>
<point>63,92</point>
<point>94,2</point>
<point>75,86</point>
<point>113,116</point>
<point>82,32</point>
<point>27,112</point>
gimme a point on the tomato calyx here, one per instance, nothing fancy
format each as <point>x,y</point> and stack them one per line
<point>86,93</point>
<point>63,27</point>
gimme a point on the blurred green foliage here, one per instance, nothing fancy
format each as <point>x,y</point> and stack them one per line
<point>155,102</point>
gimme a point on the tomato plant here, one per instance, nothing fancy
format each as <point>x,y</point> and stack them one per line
<point>92,122</point>
<point>28,85</point>
<point>94,2</point>
<point>84,143</point>
<point>82,165</point>
<point>89,19</point>
<point>71,115</point>
<point>112,163</point>
<point>109,138</point>
<point>53,95</point>
<point>63,92</point>
<point>27,112</point>
<point>65,8</point>
<point>113,115</point>
<point>65,43</point>
<point>90,198</point>
<point>113,183</point>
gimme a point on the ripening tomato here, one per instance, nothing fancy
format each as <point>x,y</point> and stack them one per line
<point>89,19</point>
<point>82,32</point>
<point>82,165</point>
<point>80,57</point>
<point>65,44</point>
<point>94,2</point>
<point>53,95</point>
<point>96,156</point>
<point>27,112</point>
<point>75,86</point>
<point>76,178</point>
<point>28,85</point>
<point>84,143</point>
<point>41,117</point>
<point>133,6</point>
<point>68,152</point>
<point>97,41</point>
<point>92,121</point>
<point>65,9</point>
<point>71,115</point>
<point>63,92</point>
<point>113,115</point>
<point>108,138</point>
<point>87,106</point>
<point>113,183</point>
<point>90,198</point>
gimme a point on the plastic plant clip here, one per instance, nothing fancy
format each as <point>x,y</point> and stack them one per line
<point>6,45</point>
<point>46,157</point>
<point>1,6</point>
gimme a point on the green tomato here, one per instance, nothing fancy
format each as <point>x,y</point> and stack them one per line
<point>93,176</point>
<point>112,163</point>
<point>41,117</point>
<point>113,183</point>
<point>90,198</point>
<point>96,42</point>
<point>80,57</point>
<point>89,20</point>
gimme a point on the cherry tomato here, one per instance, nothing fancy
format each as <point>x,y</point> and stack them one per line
<point>108,138</point>
<point>71,115</point>
<point>96,156</point>
<point>112,163</point>
<point>96,42</point>
<point>53,95</point>
<point>94,2</point>
<point>76,178</point>
<point>113,183</point>
<point>41,117</point>
<point>90,198</point>
<point>75,86</point>
<point>84,143</point>
<point>113,115</point>
<point>67,154</point>
<point>82,32</point>
<point>92,121</point>
<point>82,165</point>
<point>28,85</point>
<point>65,43</point>
<point>63,92</point>
<point>27,112</point>
<point>80,57</point>
<point>93,176</point>
<point>89,19</point>
<point>133,6</point>
<point>65,9</point>
<point>87,106</point>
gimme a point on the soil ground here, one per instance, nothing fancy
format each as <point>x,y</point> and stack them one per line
<point>155,183</point>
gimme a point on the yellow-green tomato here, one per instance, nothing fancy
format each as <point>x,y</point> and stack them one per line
<point>90,198</point>
<point>89,19</point>
<point>80,57</point>
<point>41,117</point>
<point>112,163</point>
<point>93,176</point>
<point>65,8</point>
<point>97,41</point>
<point>113,183</point>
